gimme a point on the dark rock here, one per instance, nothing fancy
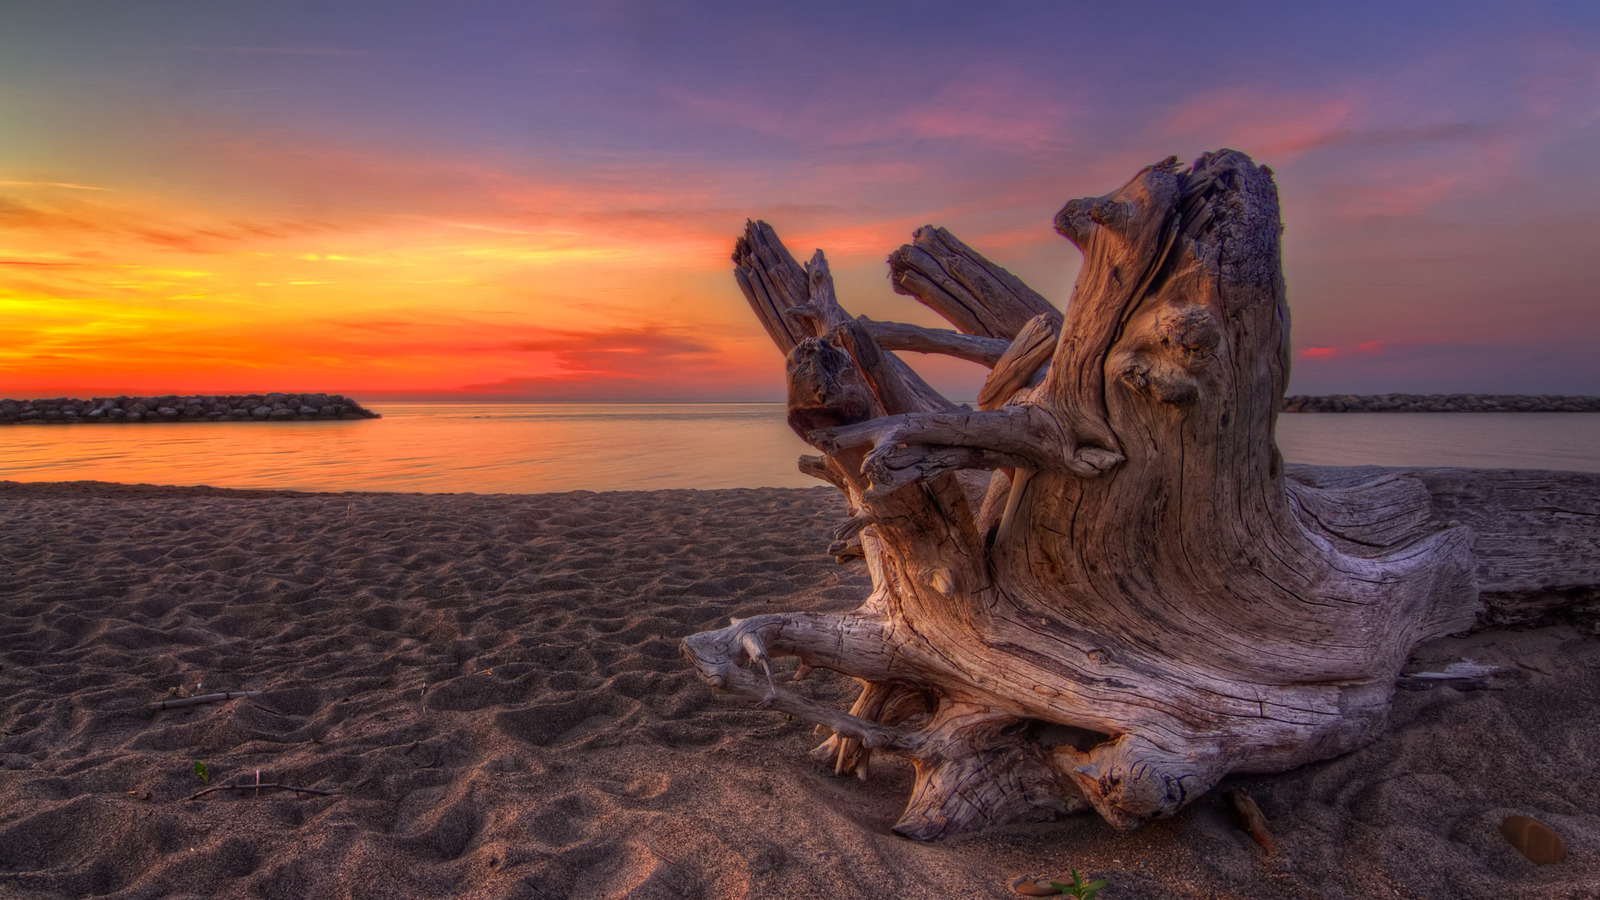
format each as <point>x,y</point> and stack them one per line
<point>198,408</point>
<point>1440,403</point>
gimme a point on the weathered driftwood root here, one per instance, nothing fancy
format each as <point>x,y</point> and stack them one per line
<point>174,703</point>
<point>259,786</point>
<point>1141,600</point>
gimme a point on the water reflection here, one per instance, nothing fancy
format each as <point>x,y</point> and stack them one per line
<point>537,447</point>
<point>484,448</point>
<point>1566,441</point>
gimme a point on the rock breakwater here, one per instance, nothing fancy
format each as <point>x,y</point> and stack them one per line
<point>1442,403</point>
<point>274,407</point>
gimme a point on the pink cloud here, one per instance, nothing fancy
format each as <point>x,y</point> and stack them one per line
<point>1400,191</point>
<point>986,103</point>
<point>1363,349</point>
<point>1267,125</point>
<point>1453,364</point>
<point>1562,80</point>
<point>1420,139</point>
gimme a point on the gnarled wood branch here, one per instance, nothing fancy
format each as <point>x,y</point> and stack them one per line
<point>972,293</point>
<point>899,336</point>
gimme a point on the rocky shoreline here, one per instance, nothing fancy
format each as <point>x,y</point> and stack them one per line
<point>273,407</point>
<point>1442,403</point>
<point>281,407</point>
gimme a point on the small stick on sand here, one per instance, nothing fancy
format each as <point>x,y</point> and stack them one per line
<point>1252,821</point>
<point>258,788</point>
<point>1464,675</point>
<point>203,698</point>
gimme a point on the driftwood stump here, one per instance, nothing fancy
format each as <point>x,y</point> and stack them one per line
<point>1101,588</point>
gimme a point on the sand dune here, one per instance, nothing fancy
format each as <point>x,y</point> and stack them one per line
<point>490,688</point>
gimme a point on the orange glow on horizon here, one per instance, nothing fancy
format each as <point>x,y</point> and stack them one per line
<point>147,295</point>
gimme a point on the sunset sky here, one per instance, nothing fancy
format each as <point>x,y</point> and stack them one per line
<point>531,200</point>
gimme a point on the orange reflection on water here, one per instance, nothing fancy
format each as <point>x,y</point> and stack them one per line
<point>480,448</point>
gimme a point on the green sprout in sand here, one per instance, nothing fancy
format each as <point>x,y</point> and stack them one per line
<point>1078,888</point>
<point>203,772</point>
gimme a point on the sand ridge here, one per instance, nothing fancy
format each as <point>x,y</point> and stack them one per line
<point>491,687</point>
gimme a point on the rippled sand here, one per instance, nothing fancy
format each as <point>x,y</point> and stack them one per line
<point>491,689</point>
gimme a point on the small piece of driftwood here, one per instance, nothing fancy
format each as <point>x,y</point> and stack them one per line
<point>1465,675</point>
<point>1252,821</point>
<point>203,698</point>
<point>252,786</point>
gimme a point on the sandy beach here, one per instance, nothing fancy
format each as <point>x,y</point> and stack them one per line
<point>488,689</point>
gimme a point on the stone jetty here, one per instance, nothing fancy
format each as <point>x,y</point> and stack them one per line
<point>1442,403</point>
<point>274,407</point>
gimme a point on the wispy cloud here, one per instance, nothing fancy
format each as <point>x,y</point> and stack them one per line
<point>65,185</point>
<point>1367,349</point>
<point>984,103</point>
<point>282,51</point>
<point>636,363</point>
<point>149,222</point>
<point>1446,365</point>
<point>1279,127</point>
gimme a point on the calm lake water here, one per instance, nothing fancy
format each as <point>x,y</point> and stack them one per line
<point>538,447</point>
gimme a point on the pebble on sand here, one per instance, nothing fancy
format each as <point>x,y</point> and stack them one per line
<point>1533,839</point>
<point>1032,886</point>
